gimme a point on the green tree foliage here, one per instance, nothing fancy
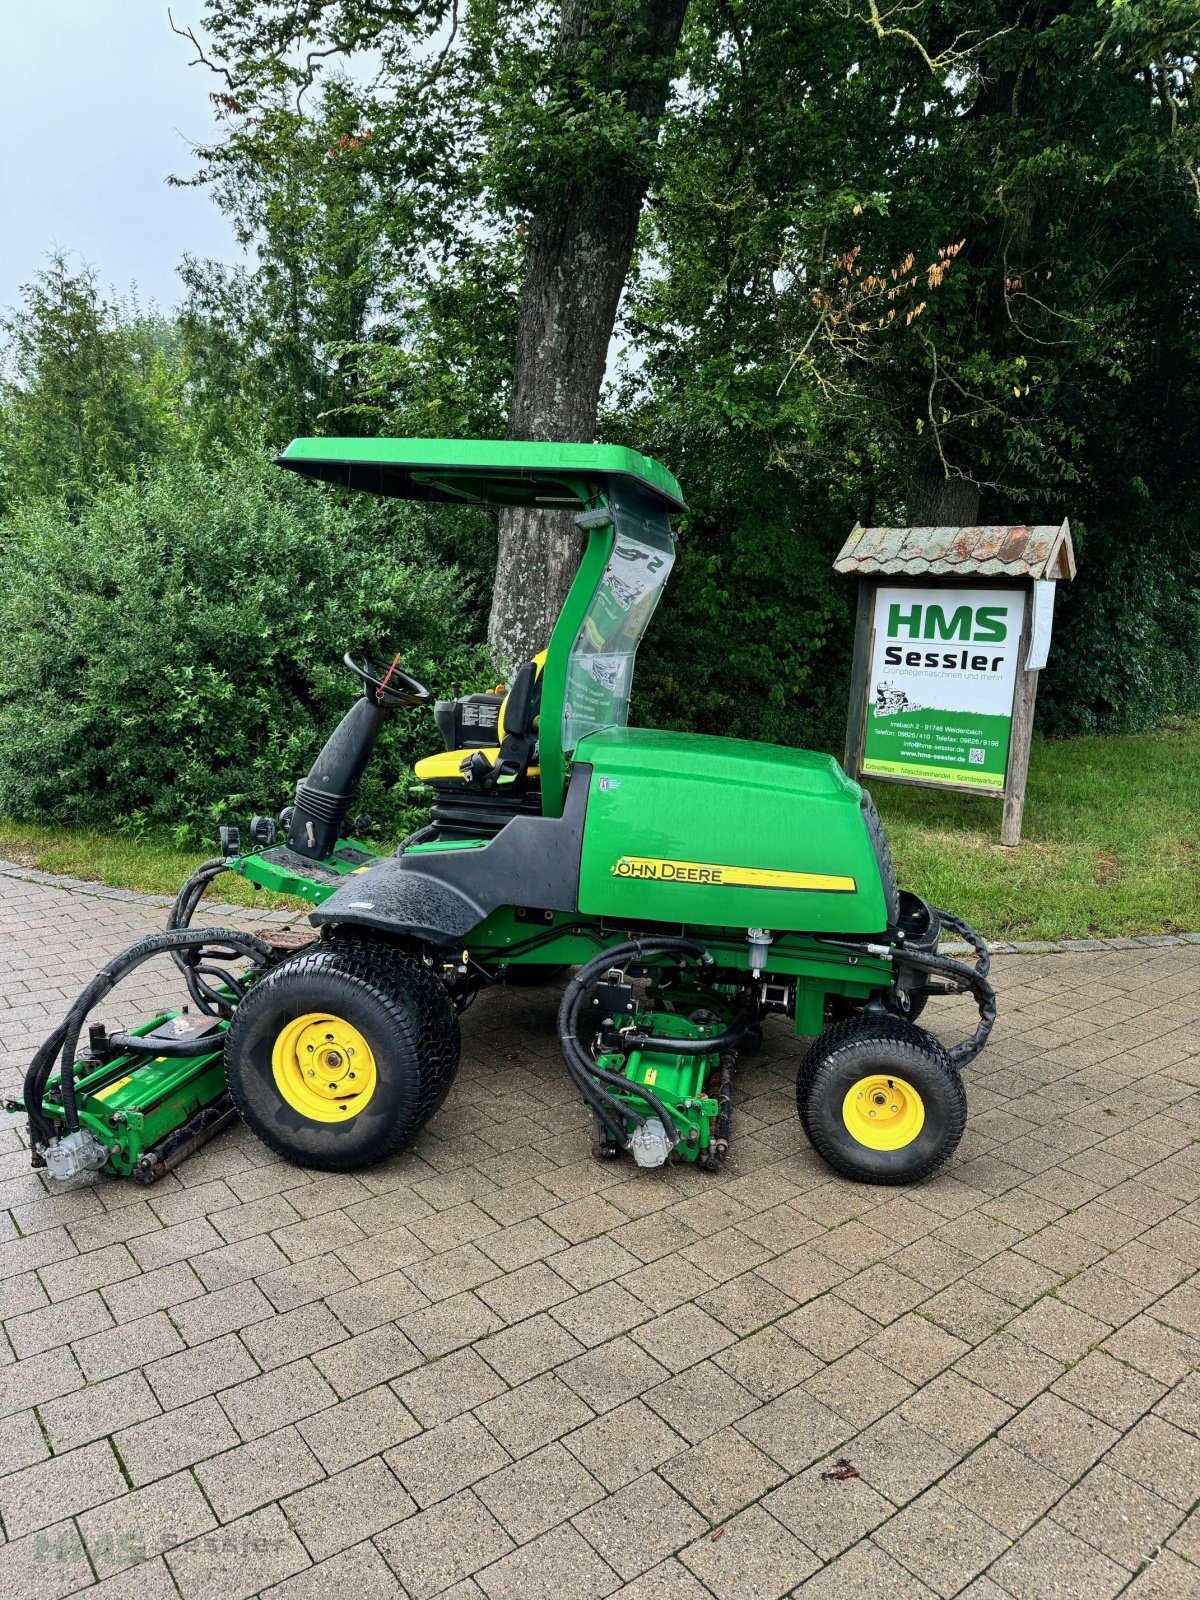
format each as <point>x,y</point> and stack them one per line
<point>285,338</point>
<point>384,293</point>
<point>941,270</point>
<point>173,650</point>
<point>88,388</point>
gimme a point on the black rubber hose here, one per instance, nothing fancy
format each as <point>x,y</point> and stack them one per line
<point>62,1042</point>
<point>736,1031</point>
<point>131,1044</point>
<point>184,906</point>
<point>611,1112</point>
<point>965,978</point>
<point>640,1089</point>
<point>40,1131</point>
<point>418,836</point>
<point>614,954</point>
<point>182,911</point>
<point>983,956</point>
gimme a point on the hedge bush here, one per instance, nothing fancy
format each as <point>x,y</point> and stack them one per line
<point>172,650</point>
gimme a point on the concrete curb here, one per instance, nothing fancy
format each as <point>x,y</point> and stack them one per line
<point>1061,947</point>
<point>1028,947</point>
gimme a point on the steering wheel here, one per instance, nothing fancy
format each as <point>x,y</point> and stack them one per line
<point>385,684</point>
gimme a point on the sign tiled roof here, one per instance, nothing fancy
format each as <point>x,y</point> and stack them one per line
<point>1043,551</point>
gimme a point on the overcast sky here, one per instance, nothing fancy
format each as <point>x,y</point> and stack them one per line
<point>97,107</point>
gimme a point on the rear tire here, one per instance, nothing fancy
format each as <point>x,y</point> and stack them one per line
<point>379,1010</point>
<point>880,1101</point>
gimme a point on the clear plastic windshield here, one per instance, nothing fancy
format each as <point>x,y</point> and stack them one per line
<point>600,666</point>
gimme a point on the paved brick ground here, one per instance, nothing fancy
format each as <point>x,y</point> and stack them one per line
<point>494,1368</point>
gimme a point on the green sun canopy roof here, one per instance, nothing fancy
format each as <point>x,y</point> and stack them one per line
<point>498,472</point>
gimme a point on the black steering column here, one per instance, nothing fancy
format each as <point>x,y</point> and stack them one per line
<point>324,797</point>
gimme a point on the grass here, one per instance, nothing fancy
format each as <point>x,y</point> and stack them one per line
<point>1111,845</point>
<point>149,861</point>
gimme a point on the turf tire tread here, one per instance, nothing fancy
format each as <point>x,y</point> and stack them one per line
<point>857,1035</point>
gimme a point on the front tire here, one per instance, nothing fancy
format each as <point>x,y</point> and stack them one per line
<point>881,1101</point>
<point>340,1056</point>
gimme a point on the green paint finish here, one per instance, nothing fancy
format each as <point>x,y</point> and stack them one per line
<point>565,938</point>
<point>587,579</point>
<point>268,872</point>
<point>500,472</point>
<point>436,847</point>
<point>673,820</point>
<point>821,972</point>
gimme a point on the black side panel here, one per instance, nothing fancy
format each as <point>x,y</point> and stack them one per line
<point>440,896</point>
<point>883,859</point>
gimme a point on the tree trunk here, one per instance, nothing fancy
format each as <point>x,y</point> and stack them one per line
<point>935,501</point>
<point>578,249</point>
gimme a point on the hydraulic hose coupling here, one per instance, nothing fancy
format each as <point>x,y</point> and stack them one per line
<point>759,940</point>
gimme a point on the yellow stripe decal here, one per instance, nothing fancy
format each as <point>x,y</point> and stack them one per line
<point>110,1088</point>
<point>655,869</point>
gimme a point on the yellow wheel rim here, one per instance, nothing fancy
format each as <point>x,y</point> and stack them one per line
<point>323,1067</point>
<point>883,1113</point>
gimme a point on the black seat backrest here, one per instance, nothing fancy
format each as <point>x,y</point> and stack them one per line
<point>520,707</point>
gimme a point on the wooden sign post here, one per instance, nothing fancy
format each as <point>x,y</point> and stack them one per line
<point>953,627</point>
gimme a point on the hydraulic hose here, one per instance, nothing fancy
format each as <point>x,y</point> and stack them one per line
<point>640,1089</point>
<point>725,1103</point>
<point>420,836</point>
<point>203,995</point>
<point>582,1067</point>
<point>40,1131</point>
<point>63,1041</point>
<point>132,1044</point>
<point>737,1029</point>
<point>964,978</point>
<point>983,956</point>
<point>188,898</point>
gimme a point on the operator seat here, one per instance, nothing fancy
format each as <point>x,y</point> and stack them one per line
<point>477,790</point>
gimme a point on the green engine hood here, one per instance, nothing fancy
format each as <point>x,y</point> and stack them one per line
<point>725,833</point>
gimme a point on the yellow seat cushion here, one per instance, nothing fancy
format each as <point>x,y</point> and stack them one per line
<point>448,764</point>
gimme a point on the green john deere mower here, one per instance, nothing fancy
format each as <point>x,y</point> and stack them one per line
<point>696,885</point>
